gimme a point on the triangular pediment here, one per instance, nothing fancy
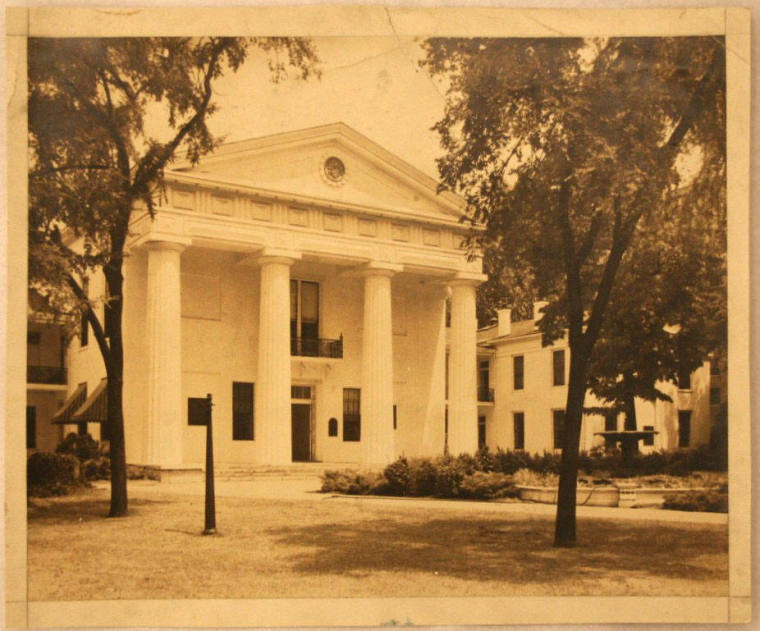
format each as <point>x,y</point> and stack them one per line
<point>332,163</point>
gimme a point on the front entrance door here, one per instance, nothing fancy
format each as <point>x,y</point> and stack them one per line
<point>301,431</point>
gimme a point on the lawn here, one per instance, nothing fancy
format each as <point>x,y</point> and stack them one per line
<point>328,547</point>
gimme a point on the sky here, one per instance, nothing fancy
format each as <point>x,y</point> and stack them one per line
<point>372,84</point>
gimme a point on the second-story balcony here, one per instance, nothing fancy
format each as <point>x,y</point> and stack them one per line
<point>52,375</point>
<point>485,394</point>
<point>316,347</point>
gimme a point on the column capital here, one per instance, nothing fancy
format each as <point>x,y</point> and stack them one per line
<point>165,242</point>
<point>379,268</point>
<point>276,255</point>
<point>467,279</point>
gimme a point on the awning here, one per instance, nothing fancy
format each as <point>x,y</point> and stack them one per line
<point>95,408</point>
<point>74,402</point>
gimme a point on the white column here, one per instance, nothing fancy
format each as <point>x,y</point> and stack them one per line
<point>378,447</point>
<point>164,320</point>
<point>463,403</point>
<point>272,390</point>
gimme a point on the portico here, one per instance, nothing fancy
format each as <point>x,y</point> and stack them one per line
<point>332,280</point>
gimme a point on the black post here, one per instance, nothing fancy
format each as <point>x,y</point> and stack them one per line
<point>210,520</point>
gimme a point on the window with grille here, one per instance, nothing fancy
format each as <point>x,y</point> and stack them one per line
<point>242,411</point>
<point>352,428</point>
<point>300,392</point>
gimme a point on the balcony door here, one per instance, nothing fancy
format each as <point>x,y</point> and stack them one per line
<point>304,317</point>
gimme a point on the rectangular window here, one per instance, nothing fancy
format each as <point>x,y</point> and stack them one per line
<point>304,309</point>
<point>300,392</point>
<point>33,337</point>
<point>352,419</point>
<point>558,366</point>
<point>684,428</point>
<point>519,423</point>
<point>558,417</point>
<point>649,440</point>
<point>197,411</point>
<point>714,396</point>
<point>84,335</point>
<point>481,432</point>
<point>518,370</point>
<point>31,427</point>
<point>395,417</point>
<point>684,380</point>
<point>242,411</point>
<point>610,422</point>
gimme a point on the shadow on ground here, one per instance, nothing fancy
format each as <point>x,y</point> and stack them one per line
<point>508,550</point>
<point>76,509</point>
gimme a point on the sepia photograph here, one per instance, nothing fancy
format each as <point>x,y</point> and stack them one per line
<point>426,317</point>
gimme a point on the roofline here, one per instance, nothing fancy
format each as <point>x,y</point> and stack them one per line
<point>332,130</point>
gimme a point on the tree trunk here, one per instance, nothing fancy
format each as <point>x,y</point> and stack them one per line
<point>564,527</point>
<point>115,372</point>
<point>629,448</point>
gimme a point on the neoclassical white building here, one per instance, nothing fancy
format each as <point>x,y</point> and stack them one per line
<point>522,393</point>
<point>300,279</point>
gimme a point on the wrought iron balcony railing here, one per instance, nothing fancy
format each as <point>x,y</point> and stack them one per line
<point>46,374</point>
<point>485,394</point>
<point>316,347</point>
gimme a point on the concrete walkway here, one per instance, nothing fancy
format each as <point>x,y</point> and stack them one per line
<point>307,489</point>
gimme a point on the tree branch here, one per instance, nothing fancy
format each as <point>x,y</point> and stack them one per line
<point>154,161</point>
<point>97,329</point>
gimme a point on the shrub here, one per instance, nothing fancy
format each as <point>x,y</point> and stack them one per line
<point>51,474</point>
<point>707,501</point>
<point>97,468</point>
<point>449,475</point>
<point>83,446</point>
<point>353,482</point>
<point>510,461</point>
<point>526,477</point>
<point>398,477</point>
<point>423,476</point>
<point>485,460</point>
<point>482,485</point>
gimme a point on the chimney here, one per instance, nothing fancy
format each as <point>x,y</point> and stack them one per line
<point>505,321</point>
<point>537,306</point>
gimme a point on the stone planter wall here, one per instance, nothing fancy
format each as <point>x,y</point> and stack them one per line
<point>624,496</point>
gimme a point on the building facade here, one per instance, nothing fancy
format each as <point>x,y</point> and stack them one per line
<point>523,390</point>
<point>45,383</point>
<point>300,279</point>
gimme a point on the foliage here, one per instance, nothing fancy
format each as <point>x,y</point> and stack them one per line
<point>353,483</point>
<point>83,446</point>
<point>93,103</point>
<point>398,476</point>
<point>707,501</point>
<point>93,457</point>
<point>51,474</point>
<point>570,152</point>
<point>487,486</point>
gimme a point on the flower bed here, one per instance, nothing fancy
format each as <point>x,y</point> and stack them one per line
<point>495,476</point>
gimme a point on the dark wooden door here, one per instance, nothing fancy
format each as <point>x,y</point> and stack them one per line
<point>301,432</point>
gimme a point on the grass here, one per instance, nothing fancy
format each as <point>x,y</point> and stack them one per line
<point>339,548</point>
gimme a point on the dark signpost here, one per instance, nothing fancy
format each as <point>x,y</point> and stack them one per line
<point>210,518</point>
